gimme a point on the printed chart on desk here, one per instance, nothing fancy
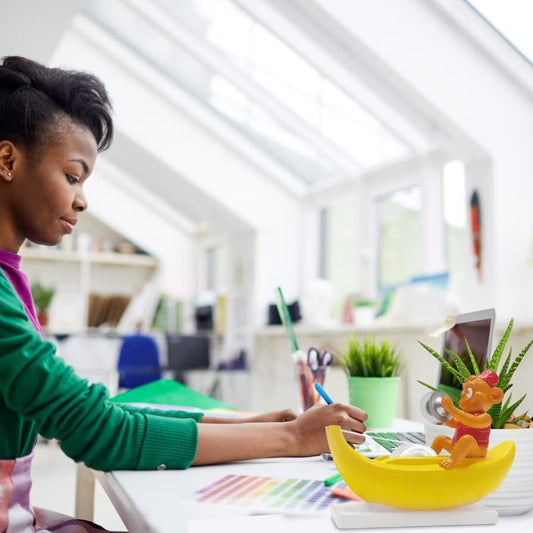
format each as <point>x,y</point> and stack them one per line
<point>281,495</point>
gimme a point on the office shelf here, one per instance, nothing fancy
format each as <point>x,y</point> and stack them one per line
<point>78,275</point>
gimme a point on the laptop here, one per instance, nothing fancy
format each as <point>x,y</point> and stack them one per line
<point>477,328</point>
<point>187,352</point>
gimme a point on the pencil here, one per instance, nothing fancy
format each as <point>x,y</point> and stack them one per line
<point>323,393</point>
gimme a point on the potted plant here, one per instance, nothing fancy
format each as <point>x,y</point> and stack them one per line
<point>373,372</point>
<point>42,297</point>
<point>515,495</point>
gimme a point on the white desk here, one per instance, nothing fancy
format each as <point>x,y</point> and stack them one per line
<point>156,501</point>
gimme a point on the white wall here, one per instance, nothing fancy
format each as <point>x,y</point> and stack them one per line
<point>132,217</point>
<point>33,29</point>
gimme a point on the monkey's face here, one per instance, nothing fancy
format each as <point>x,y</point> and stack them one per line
<point>476,396</point>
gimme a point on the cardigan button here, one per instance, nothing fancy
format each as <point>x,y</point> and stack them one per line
<point>162,467</point>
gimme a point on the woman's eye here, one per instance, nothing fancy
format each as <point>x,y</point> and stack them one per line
<point>72,180</point>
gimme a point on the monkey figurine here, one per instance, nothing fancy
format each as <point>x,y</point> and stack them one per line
<point>471,420</point>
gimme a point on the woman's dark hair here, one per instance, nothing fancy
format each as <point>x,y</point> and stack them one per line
<point>33,97</point>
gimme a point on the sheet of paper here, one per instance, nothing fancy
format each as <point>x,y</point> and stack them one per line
<point>269,494</point>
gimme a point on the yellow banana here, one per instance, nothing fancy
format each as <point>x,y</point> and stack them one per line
<point>419,483</point>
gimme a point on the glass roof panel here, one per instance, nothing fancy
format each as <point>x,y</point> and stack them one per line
<point>297,83</point>
<point>314,102</point>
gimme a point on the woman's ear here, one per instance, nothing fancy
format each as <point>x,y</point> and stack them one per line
<point>7,158</point>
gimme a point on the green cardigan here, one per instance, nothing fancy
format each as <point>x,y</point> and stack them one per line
<point>39,393</point>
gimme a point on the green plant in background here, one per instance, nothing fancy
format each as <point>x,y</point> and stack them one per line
<point>370,358</point>
<point>42,296</point>
<point>501,412</point>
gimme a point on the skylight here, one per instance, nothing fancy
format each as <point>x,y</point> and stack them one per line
<point>249,76</point>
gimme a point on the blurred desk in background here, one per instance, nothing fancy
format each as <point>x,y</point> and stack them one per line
<point>274,382</point>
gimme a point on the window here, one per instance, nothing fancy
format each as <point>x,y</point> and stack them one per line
<point>337,248</point>
<point>399,237</point>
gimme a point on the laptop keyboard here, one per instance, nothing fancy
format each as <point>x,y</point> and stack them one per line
<point>393,439</point>
<point>384,442</point>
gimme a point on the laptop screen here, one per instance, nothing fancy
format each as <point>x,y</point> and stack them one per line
<point>187,352</point>
<point>476,328</point>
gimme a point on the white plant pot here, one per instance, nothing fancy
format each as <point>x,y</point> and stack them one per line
<point>515,494</point>
<point>363,316</point>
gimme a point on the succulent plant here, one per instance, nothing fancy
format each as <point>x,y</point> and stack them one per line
<point>501,412</point>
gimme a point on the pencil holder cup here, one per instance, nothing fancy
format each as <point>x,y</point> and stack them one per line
<point>306,378</point>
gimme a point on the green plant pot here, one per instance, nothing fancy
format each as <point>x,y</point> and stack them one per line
<point>377,396</point>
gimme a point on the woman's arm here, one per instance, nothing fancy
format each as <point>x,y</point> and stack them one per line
<point>305,435</point>
<point>274,416</point>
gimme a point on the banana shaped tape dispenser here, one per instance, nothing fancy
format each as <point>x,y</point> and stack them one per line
<point>419,483</point>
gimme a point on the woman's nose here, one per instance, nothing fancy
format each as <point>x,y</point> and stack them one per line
<point>80,202</point>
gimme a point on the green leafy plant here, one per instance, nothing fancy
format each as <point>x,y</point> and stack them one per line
<point>500,413</point>
<point>42,296</point>
<point>370,358</point>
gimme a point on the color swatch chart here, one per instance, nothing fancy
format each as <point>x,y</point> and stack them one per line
<point>282,495</point>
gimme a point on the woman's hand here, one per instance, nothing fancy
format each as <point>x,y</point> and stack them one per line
<point>308,429</point>
<point>302,436</point>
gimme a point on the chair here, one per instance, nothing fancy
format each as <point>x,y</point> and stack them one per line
<point>138,361</point>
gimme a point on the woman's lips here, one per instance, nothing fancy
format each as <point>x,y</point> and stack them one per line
<point>68,224</point>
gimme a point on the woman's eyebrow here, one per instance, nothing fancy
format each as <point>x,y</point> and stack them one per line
<point>82,163</point>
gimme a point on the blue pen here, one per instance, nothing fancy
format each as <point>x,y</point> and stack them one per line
<point>323,393</point>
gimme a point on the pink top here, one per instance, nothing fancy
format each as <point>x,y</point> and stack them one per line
<point>10,264</point>
<point>16,513</point>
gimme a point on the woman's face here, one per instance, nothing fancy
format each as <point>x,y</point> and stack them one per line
<point>48,194</point>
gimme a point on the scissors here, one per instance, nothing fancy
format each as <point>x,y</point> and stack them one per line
<point>318,359</point>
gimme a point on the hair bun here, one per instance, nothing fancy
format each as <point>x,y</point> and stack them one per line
<point>10,79</point>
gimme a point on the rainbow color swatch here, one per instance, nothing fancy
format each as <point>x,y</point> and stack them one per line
<point>281,495</point>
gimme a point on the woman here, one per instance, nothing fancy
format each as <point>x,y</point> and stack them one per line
<point>53,123</point>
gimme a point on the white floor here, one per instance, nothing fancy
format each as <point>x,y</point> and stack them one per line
<point>54,482</point>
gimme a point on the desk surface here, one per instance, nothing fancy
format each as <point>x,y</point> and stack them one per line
<point>159,501</point>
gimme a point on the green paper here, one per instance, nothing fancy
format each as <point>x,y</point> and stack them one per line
<point>169,392</point>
